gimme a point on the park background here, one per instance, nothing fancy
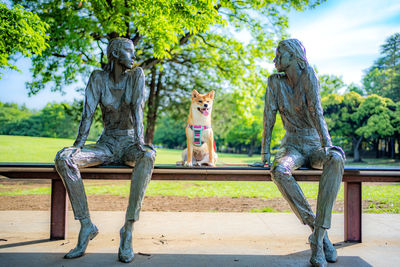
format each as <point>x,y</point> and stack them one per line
<point>226,46</point>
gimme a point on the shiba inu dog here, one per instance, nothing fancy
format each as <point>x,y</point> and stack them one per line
<point>201,149</point>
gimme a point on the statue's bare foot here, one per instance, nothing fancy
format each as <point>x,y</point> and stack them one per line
<point>87,232</point>
<point>317,253</point>
<point>329,250</point>
<point>125,252</point>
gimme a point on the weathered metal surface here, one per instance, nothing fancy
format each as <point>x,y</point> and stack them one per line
<point>294,93</point>
<point>119,91</point>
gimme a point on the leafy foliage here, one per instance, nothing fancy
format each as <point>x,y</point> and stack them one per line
<point>22,32</point>
<point>52,121</point>
<point>181,45</point>
<point>383,78</point>
<point>330,84</point>
<point>11,112</point>
<point>376,113</point>
<point>170,133</point>
<point>355,118</point>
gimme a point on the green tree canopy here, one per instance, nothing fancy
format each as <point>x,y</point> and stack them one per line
<point>383,78</point>
<point>181,45</point>
<point>355,118</point>
<point>330,84</point>
<point>376,113</point>
<point>21,32</point>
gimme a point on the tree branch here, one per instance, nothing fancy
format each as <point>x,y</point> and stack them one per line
<point>136,38</point>
<point>151,62</point>
<point>185,38</point>
<point>204,40</point>
<point>59,55</point>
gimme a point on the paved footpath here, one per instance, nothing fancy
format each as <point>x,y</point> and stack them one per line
<point>196,239</point>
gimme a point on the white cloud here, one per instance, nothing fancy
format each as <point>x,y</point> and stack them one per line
<point>344,37</point>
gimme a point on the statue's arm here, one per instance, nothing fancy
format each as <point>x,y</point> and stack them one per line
<point>138,99</point>
<point>92,98</point>
<point>315,107</point>
<point>269,118</point>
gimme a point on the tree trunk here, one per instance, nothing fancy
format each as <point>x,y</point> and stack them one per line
<point>356,147</point>
<point>152,105</point>
<point>251,150</point>
<point>397,147</point>
<point>376,147</point>
<point>391,147</point>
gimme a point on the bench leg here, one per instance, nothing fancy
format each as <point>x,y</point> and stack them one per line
<point>352,211</point>
<point>59,208</point>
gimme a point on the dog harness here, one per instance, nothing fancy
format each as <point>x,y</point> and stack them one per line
<point>197,131</point>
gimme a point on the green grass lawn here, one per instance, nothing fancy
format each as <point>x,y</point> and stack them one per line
<point>43,150</point>
<point>384,198</point>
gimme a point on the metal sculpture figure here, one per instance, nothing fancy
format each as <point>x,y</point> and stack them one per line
<point>119,90</point>
<point>294,92</point>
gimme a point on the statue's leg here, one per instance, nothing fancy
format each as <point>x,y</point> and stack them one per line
<point>286,160</point>
<point>140,179</point>
<point>331,178</point>
<point>67,162</point>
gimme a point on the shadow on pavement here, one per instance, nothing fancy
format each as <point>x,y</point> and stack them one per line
<point>26,243</point>
<point>108,259</point>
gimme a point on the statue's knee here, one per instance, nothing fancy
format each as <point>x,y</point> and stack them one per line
<point>149,155</point>
<point>279,173</point>
<point>62,157</point>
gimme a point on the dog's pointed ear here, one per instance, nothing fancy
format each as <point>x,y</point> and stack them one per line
<point>195,93</point>
<point>211,94</point>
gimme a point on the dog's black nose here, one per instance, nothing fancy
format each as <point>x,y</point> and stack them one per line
<point>205,105</point>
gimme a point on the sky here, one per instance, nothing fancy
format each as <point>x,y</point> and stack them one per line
<point>341,37</point>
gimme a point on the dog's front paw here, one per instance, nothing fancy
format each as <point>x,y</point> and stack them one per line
<point>189,164</point>
<point>209,164</point>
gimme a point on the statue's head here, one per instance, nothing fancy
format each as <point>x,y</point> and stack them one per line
<point>120,50</point>
<point>295,49</point>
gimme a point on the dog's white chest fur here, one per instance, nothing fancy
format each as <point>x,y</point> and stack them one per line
<point>204,136</point>
<point>200,119</point>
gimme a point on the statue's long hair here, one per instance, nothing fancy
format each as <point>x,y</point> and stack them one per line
<point>295,48</point>
<point>114,47</point>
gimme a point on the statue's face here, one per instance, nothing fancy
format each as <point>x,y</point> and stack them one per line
<point>282,59</point>
<point>127,55</point>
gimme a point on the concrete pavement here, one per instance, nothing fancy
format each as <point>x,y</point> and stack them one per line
<point>196,239</point>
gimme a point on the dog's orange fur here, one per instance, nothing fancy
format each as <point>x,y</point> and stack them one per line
<point>200,114</point>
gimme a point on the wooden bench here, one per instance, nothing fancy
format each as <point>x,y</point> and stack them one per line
<point>352,178</point>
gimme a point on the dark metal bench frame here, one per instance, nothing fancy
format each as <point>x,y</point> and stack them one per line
<point>352,178</point>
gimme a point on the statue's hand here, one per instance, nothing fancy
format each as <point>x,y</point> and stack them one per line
<point>77,145</point>
<point>257,164</point>
<point>140,147</point>
<point>74,150</point>
<point>151,147</point>
<point>266,158</point>
<point>327,149</point>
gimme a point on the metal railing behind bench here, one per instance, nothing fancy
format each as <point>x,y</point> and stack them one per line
<point>352,178</point>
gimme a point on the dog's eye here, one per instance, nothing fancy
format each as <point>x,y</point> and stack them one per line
<point>200,101</point>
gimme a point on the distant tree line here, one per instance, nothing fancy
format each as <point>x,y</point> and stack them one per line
<point>56,120</point>
<point>370,123</point>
